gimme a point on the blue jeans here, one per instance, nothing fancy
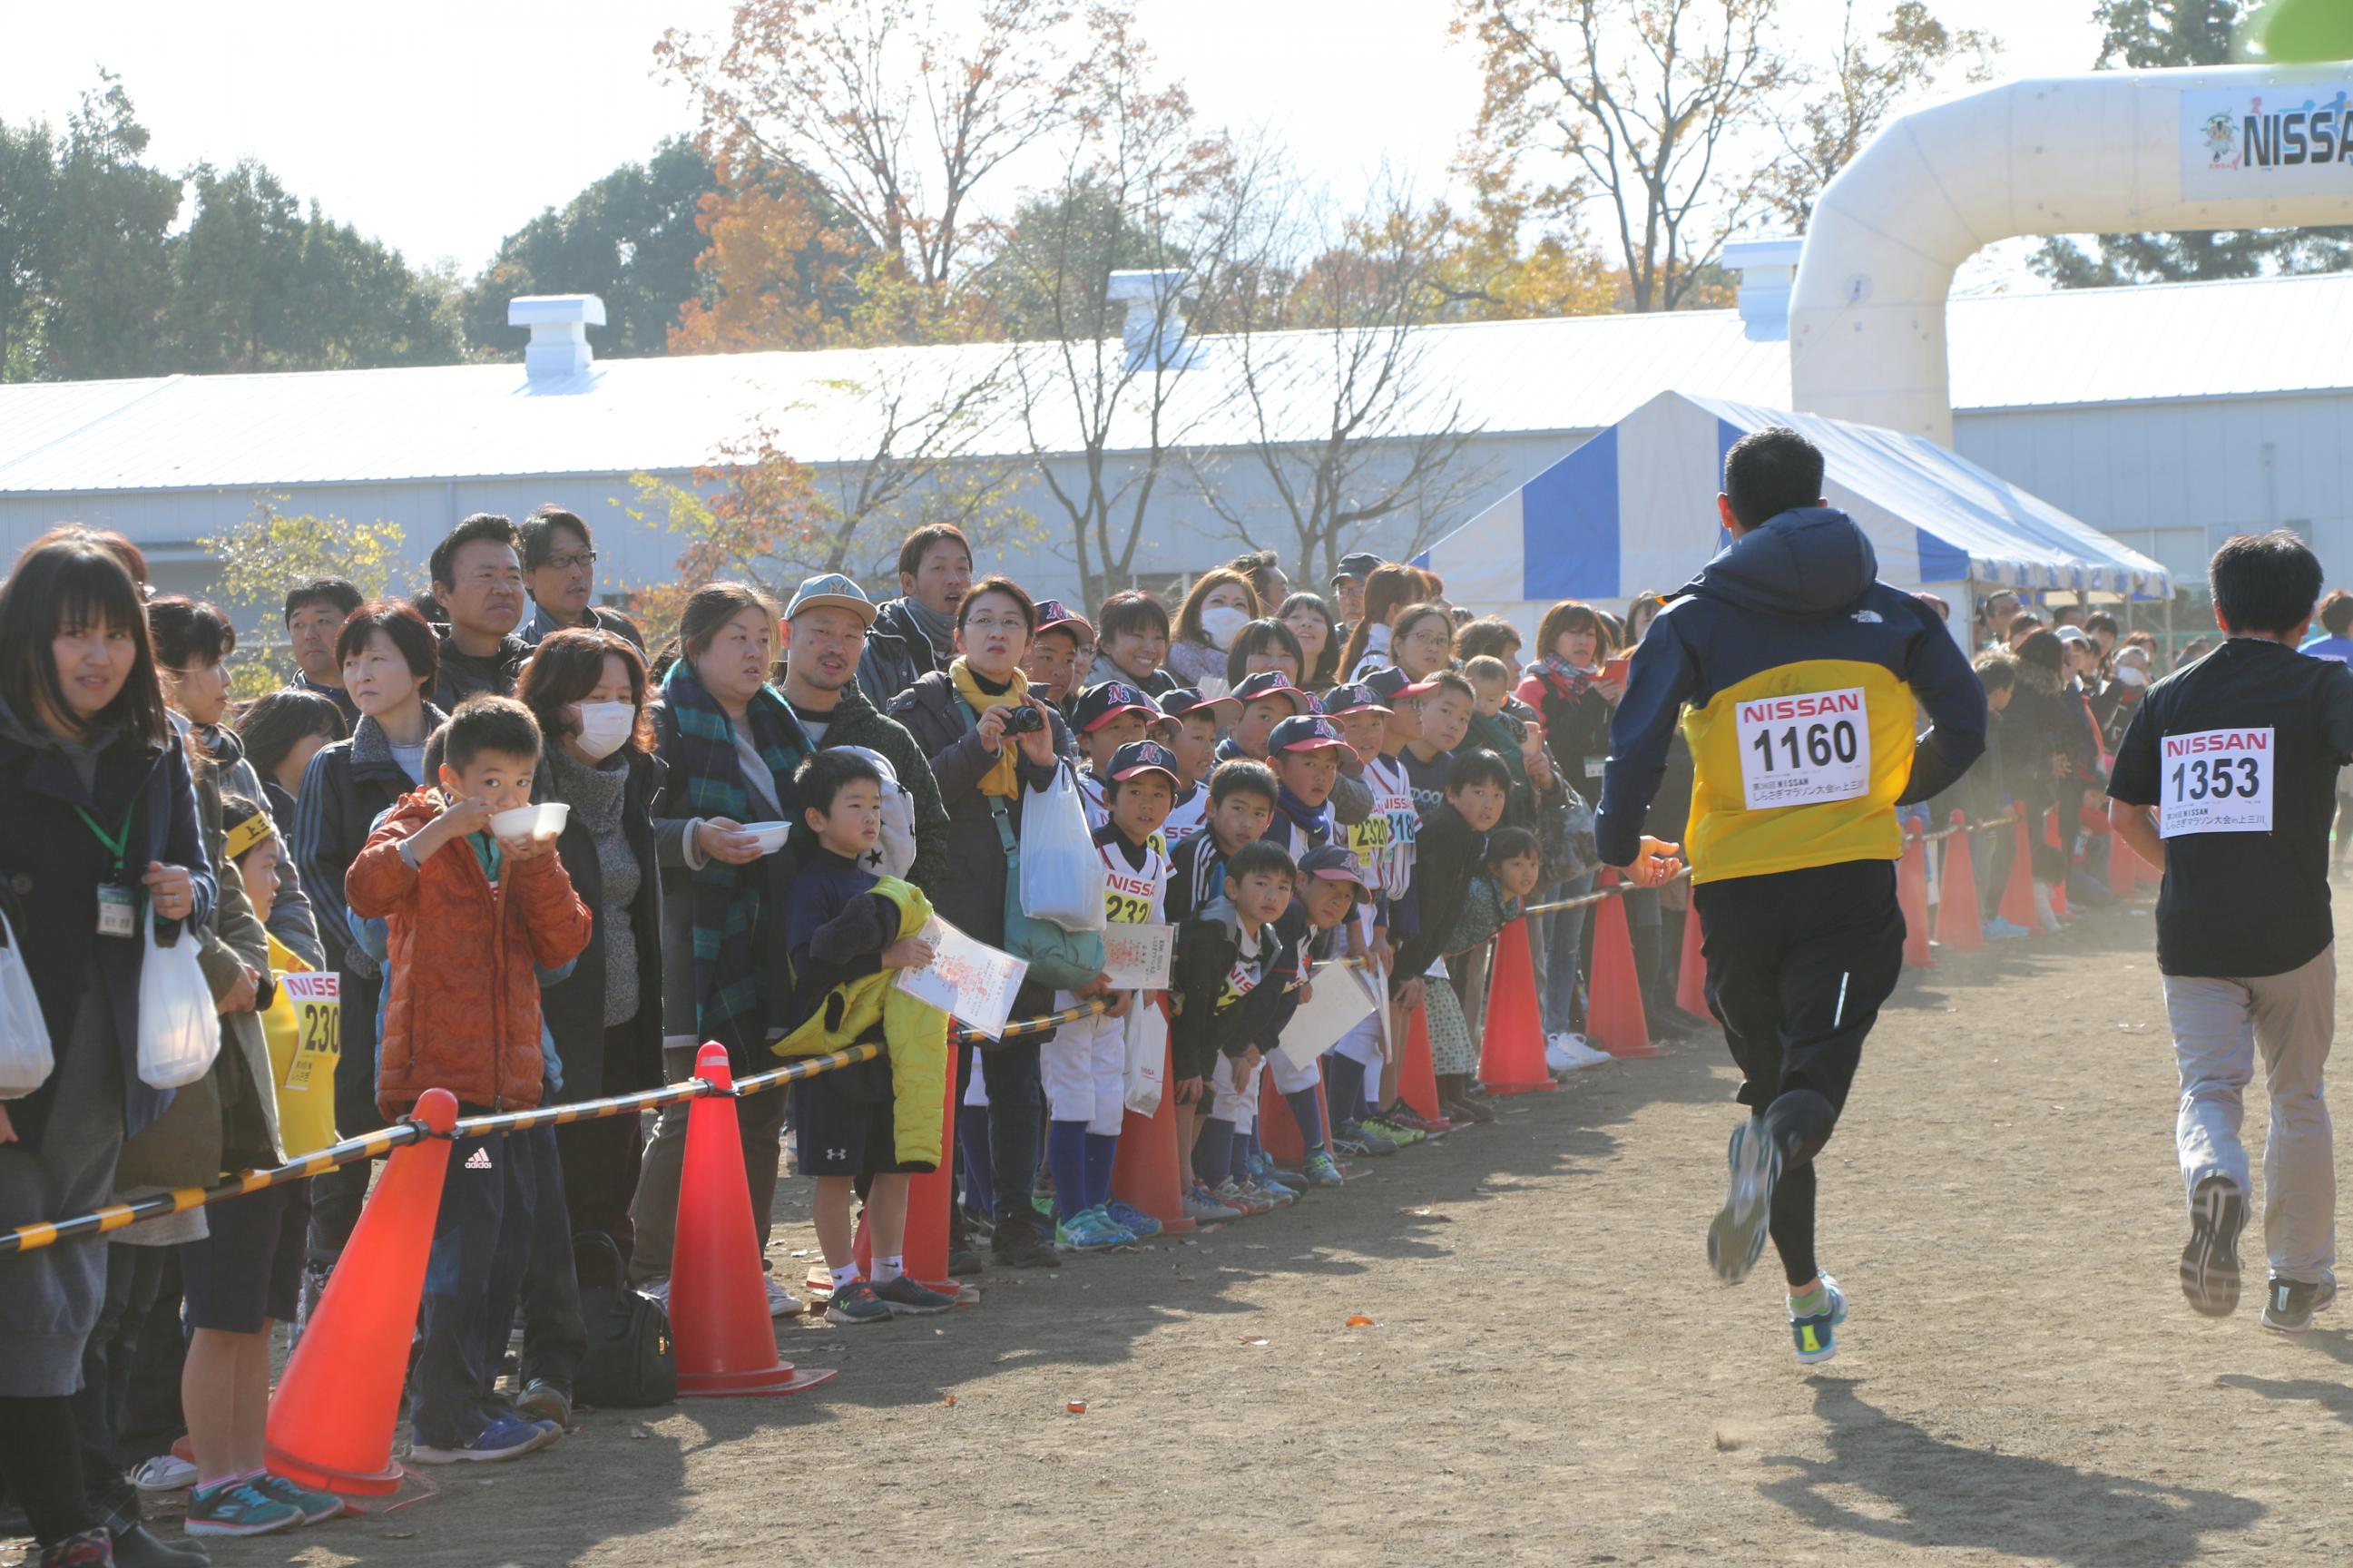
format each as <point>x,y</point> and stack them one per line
<point>481,1244</point>
<point>1564,935</point>
<point>554,1339</point>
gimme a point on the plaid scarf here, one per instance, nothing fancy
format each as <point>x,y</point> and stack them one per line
<point>727,898</point>
<point>1564,677</point>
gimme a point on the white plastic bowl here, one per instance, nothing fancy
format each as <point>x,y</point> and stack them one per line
<point>530,821</point>
<point>771,834</point>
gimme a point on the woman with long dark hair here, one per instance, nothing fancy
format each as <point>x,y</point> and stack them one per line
<point>99,834</point>
<point>280,733</point>
<point>1310,620</point>
<point>731,743</point>
<point>1389,588</point>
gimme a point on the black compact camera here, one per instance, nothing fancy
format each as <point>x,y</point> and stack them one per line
<point>1022,720</point>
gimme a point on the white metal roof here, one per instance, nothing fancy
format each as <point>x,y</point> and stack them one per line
<point>1576,374</point>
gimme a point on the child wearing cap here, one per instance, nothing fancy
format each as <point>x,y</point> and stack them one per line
<point>1330,893</point>
<point>1107,717</point>
<point>1242,795</point>
<point>1452,847</point>
<point>1225,990</point>
<point>1063,645</point>
<point>1083,1064</point>
<point>1267,699</point>
<point>1189,725</point>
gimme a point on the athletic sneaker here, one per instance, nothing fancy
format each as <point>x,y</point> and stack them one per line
<point>1815,1333</point>
<point>2209,1264</point>
<point>1736,1236</point>
<point>2000,930</point>
<point>1090,1230</point>
<point>1356,1138</point>
<point>1266,1176</point>
<point>545,1401</point>
<point>906,1298</point>
<point>1404,1115</point>
<point>657,1292</point>
<point>1397,1132</point>
<point>1269,1194</point>
<point>782,1304</point>
<point>164,1473</point>
<point>855,1303</point>
<point>500,1436</point>
<point>1231,1193</point>
<point>1132,1220</point>
<point>1464,1109</point>
<point>238,1508</point>
<point>1320,1172</point>
<point>315,1507</point>
<point>2290,1303</point>
<point>1202,1208</point>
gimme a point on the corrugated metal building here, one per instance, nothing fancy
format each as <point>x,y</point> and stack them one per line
<point>2168,416</point>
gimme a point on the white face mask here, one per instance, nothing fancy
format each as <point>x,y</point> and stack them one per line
<point>603,726</point>
<point>1223,624</point>
<point>2131,675</point>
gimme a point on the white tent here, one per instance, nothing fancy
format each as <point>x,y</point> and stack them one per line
<point>1633,510</point>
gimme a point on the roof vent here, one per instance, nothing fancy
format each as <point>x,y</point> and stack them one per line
<point>1768,268</point>
<point>559,326</point>
<point>1154,331</point>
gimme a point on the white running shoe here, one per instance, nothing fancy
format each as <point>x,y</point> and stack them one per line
<point>164,1473</point>
<point>781,1302</point>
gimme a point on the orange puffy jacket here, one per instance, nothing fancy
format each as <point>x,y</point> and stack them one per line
<point>462,1006</point>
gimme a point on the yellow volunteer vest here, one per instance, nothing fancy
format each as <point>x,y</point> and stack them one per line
<point>305,1043</point>
<point>1785,733</point>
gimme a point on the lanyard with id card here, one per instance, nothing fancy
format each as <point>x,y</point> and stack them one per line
<point>118,903</point>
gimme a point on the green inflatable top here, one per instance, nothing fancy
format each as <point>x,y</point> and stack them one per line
<point>2299,31</point>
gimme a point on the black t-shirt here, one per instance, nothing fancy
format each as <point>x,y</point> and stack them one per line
<point>2241,750</point>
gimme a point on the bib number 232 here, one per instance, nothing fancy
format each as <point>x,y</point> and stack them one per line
<point>2216,781</point>
<point>1804,749</point>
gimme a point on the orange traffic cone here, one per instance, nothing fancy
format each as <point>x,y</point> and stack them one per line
<point>924,1247</point>
<point>331,1419</point>
<point>725,1340</point>
<point>1690,979</point>
<point>1512,1050</point>
<point>1145,1172</point>
<point>1958,925</point>
<point>2018,893</point>
<point>1418,1074</point>
<point>1615,1020</point>
<point>1912,897</point>
<point>1278,1130</point>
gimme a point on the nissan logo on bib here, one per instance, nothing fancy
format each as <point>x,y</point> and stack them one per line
<point>2216,781</point>
<point>1804,749</point>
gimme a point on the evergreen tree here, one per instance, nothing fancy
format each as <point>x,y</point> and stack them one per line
<point>2152,34</point>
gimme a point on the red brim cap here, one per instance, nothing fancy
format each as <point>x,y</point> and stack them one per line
<point>1318,743</point>
<point>1125,773</point>
<point>1364,894</point>
<point>1099,720</point>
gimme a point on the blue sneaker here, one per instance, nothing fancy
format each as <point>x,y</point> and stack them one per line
<point>238,1508</point>
<point>1318,1171</point>
<point>1131,1219</point>
<point>2000,930</point>
<point>501,1437</point>
<point>1090,1230</point>
<point>1735,1237</point>
<point>1815,1333</point>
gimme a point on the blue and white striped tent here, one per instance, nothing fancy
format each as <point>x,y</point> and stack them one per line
<point>1633,509</point>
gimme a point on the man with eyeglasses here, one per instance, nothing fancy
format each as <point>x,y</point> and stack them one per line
<point>478,581</point>
<point>559,560</point>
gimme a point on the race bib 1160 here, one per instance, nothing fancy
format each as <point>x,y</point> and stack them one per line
<point>1804,749</point>
<point>2216,781</point>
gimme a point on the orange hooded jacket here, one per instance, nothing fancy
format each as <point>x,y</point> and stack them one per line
<point>461,1009</point>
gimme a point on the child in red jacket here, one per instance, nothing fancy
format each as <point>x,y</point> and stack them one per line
<point>469,913</point>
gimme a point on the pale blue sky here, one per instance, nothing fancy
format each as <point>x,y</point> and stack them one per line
<point>447,131</point>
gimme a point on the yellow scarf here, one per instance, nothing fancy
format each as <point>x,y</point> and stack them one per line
<point>1003,780</point>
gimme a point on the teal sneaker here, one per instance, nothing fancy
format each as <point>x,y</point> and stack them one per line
<point>1090,1230</point>
<point>1132,1220</point>
<point>1397,1132</point>
<point>1318,1171</point>
<point>238,1508</point>
<point>317,1507</point>
<point>1815,1333</point>
<point>1735,1237</point>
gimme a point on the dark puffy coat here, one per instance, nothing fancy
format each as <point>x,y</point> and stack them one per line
<point>574,1006</point>
<point>51,866</point>
<point>897,654</point>
<point>970,892</point>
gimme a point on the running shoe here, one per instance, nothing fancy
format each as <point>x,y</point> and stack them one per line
<point>1736,1236</point>
<point>2000,930</point>
<point>657,1292</point>
<point>1397,1132</point>
<point>2209,1264</point>
<point>238,1508</point>
<point>1356,1138</point>
<point>905,1297</point>
<point>500,1436</point>
<point>1272,1194</point>
<point>1231,1193</point>
<point>1320,1172</point>
<point>315,1507</point>
<point>1815,1333</point>
<point>545,1401</point>
<point>1203,1208</point>
<point>2290,1303</point>
<point>1404,1115</point>
<point>1132,1220</point>
<point>1090,1230</point>
<point>164,1473</point>
<point>1464,1109</point>
<point>782,1304</point>
<point>1021,1243</point>
<point>855,1303</point>
<point>1265,1174</point>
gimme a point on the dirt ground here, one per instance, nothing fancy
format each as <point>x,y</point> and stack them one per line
<point>1552,1376</point>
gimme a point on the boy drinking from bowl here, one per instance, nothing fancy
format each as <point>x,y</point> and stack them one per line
<point>469,912</point>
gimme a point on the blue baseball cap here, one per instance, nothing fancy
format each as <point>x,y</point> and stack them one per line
<point>1273,683</point>
<point>831,588</point>
<point>1051,614</point>
<point>1144,757</point>
<point>1393,685</point>
<point>1358,697</point>
<point>1333,863</point>
<point>1098,705</point>
<point>1358,567</point>
<point>1188,699</point>
<point>1306,732</point>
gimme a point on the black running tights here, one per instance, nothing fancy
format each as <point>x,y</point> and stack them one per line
<point>40,1455</point>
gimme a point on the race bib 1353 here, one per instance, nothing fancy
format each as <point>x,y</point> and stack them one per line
<point>2216,781</point>
<point>1804,749</point>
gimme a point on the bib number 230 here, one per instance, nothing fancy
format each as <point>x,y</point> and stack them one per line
<point>1804,749</point>
<point>2216,781</point>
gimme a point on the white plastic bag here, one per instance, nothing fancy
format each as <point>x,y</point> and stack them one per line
<point>1147,1055</point>
<point>25,1055</point>
<point>1061,869</point>
<point>179,1033</point>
